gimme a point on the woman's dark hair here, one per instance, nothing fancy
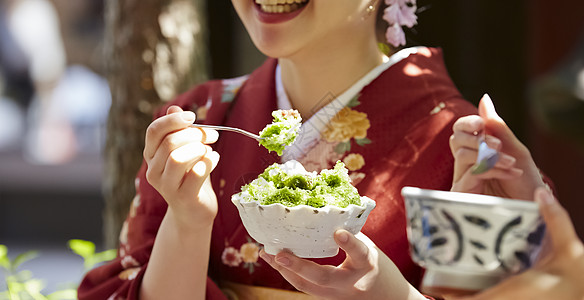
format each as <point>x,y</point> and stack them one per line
<point>381,25</point>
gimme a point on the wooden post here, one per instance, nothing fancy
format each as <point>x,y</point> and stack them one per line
<point>154,50</point>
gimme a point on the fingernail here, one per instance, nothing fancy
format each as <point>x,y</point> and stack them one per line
<point>493,142</point>
<point>545,197</point>
<point>517,172</point>
<point>284,261</point>
<point>343,237</point>
<point>507,160</point>
<point>489,100</point>
<point>188,116</point>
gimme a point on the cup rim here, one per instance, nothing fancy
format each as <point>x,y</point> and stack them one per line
<point>469,198</point>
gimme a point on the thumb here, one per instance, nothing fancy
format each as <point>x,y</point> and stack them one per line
<point>494,124</point>
<point>173,109</point>
<point>357,251</point>
<point>487,109</point>
<point>559,227</point>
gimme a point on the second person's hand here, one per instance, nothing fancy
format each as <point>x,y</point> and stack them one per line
<point>514,176</point>
<point>558,274</point>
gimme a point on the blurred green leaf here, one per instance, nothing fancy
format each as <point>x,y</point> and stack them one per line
<point>86,249</point>
<point>22,284</point>
<point>23,276</point>
<point>23,257</point>
<point>4,295</point>
<point>68,294</point>
<point>106,255</point>
<point>34,287</point>
<point>14,287</point>
<point>4,261</point>
<point>82,248</point>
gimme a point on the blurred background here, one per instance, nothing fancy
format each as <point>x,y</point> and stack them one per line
<point>57,151</point>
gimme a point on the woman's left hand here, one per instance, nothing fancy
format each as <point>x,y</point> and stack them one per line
<point>366,273</point>
<point>515,175</point>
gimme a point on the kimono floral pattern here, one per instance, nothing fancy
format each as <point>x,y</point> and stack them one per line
<point>320,156</point>
<point>222,183</point>
<point>348,127</point>
<point>136,201</point>
<point>347,124</point>
<point>231,257</point>
<point>129,262</point>
<point>231,87</point>
<point>124,246</point>
<point>201,111</point>
<point>247,254</point>
<point>354,161</point>
<point>129,274</point>
<point>115,297</point>
<point>131,266</point>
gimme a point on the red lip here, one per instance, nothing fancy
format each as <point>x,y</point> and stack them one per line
<point>274,18</point>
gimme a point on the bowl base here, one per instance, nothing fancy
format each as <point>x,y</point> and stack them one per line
<point>445,292</point>
<point>453,281</point>
<point>303,252</point>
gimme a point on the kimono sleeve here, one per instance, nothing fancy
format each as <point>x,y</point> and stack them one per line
<point>121,277</point>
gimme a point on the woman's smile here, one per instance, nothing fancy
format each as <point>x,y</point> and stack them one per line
<point>287,28</point>
<point>280,6</point>
<point>278,11</point>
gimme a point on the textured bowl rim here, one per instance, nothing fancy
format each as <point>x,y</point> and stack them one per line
<point>468,198</point>
<point>365,202</point>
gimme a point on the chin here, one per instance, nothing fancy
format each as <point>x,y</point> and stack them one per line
<point>275,35</point>
<point>276,45</point>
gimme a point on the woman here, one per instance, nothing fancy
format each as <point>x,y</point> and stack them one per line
<point>388,118</point>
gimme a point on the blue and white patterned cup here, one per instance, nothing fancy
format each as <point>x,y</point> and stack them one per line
<point>470,241</point>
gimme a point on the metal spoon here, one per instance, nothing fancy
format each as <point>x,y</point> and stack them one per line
<point>232,129</point>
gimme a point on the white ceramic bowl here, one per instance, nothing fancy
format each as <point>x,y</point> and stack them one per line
<point>303,230</point>
<point>470,241</point>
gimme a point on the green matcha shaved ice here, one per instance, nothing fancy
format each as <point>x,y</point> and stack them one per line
<point>290,185</point>
<point>282,132</point>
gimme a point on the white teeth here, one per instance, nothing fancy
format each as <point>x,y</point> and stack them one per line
<point>274,2</point>
<point>280,6</point>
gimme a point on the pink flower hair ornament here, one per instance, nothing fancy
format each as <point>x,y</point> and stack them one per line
<point>399,13</point>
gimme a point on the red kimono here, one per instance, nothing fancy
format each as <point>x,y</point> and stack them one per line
<point>395,134</point>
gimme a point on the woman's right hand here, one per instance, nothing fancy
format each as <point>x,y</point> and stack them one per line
<point>179,163</point>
